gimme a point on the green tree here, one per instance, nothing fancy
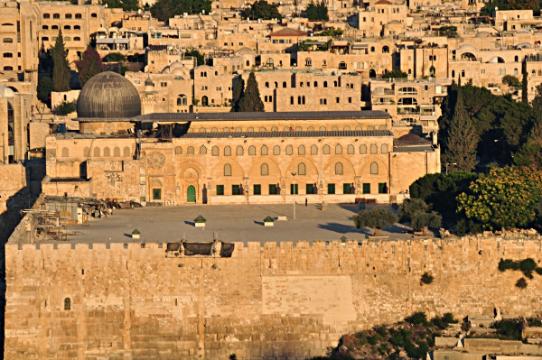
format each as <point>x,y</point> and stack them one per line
<point>61,68</point>
<point>504,198</point>
<point>462,139</point>
<point>418,215</point>
<point>394,74</point>
<point>89,65</point>
<point>45,73</point>
<point>511,81</point>
<point>165,9</point>
<point>250,100</point>
<point>126,5</point>
<point>200,59</point>
<point>238,86</point>
<point>374,218</point>
<point>261,9</point>
<point>317,12</point>
<point>530,153</point>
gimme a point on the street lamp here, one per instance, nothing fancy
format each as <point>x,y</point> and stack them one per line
<point>293,175</point>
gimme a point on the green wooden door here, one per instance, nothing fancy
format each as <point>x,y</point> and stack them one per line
<point>191,194</point>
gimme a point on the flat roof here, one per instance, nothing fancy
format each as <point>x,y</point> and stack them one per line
<point>268,134</point>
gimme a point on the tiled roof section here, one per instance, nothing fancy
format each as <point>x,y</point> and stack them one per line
<point>411,140</point>
<point>259,116</point>
<point>281,134</point>
<point>288,32</point>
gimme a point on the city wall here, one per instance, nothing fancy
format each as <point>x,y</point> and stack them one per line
<point>267,301</point>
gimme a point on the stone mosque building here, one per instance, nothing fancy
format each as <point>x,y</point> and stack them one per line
<point>219,158</point>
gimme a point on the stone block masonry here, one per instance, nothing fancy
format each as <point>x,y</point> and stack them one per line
<point>268,301</point>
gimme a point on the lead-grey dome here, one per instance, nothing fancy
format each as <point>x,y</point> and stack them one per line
<point>108,95</point>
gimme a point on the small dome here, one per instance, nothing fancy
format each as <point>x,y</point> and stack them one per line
<point>108,95</point>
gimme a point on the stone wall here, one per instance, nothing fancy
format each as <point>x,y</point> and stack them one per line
<point>268,301</point>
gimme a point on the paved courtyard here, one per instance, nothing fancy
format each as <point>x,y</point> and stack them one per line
<point>225,222</point>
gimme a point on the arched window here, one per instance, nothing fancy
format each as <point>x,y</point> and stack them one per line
<point>301,150</point>
<point>384,148</point>
<point>67,304</point>
<point>65,152</point>
<point>227,151</point>
<point>342,65</point>
<point>314,150</point>
<point>215,151</point>
<point>338,149</point>
<point>86,152</point>
<point>205,101</point>
<point>385,49</point>
<point>301,169</point>
<point>264,169</point>
<point>325,84</point>
<point>326,149</point>
<point>178,150</point>
<point>252,150</point>
<point>374,149</point>
<point>190,150</point>
<point>227,170</point>
<point>116,151</point>
<point>126,151</point>
<point>308,62</point>
<point>350,149</point>
<point>276,150</point>
<point>374,168</point>
<point>8,55</point>
<point>339,168</point>
<point>264,150</point>
<point>239,150</point>
<point>289,150</point>
<point>182,100</point>
<point>202,150</point>
<point>96,152</point>
<point>363,149</point>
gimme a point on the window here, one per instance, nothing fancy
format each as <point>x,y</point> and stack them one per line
<point>67,304</point>
<point>301,150</point>
<point>257,189</point>
<point>339,168</point>
<point>326,149</point>
<point>331,189</point>
<point>182,100</point>
<point>8,55</point>
<point>97,152</point>
<point>289,150</point>
<point>78,16</point>
<point>77,27</point>
<point>310,189</point>
<point>202,150</point>
<point>252,150</point>
<point>294,189</point>
<point>220,189</point>
<point>323,101</point>
<point>382,188</point>
<point>276,150</point>
<point>363,149</point>
<point>301,169</point>
<point>178,150</point>
<point>384,148</point>
<point>239,150</point>
<point>338,149</point>
<point>374,149</point>
<point>157,194</point>
<point>366,188</point>
<point>236,190</point>
<point>350,149</point>
<point>374,168</point>
<point>314,150</point>
<point>227,151</point>
<point>68,16</point>
<point>274,189</point>
<point>116,151</point>
<point>264,169</point>
<point>215,151</point>
<point>227,170</point>
<point>348,188</point>
<point>190,150</point>
<point>264,150</point>
<point>308,62</point>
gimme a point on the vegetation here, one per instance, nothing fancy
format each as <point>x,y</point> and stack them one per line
<point>45,77</point>
<point>61,69</point>
<point>526,266</point>
<point>65,108</point>
<point>126,5</point>
<point>312,45</point>
<point>490,7</point>
<point>448,31</point>
<point>89,65</point>
<point>114,57</point>
<point>250,100</point>
<point>329,32</point>
<point>509,329</point>
<point>200,59</point>
<point>238,89</point>
<point>506,197</point>
<point>426,278</point>
<point>165,9</point>
<point>261,9</point>
<point>268,219</point>
<point>511,81</point>
<point>394,74</point>
<point>316,12</point>
<point>377,218</point>
<point>418,215</point>
<point>200,220</point>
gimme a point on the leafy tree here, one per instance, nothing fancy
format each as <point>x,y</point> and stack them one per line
<point>250,100</point>
<point>394,74</point>
<point>374,218</point>
<point>61,69</point>
<point>505,198</point>
<point>114,57</point>
<point>165,9</point>
<point>65,108</point>
<point>238,85</point>
<point>261,9</point>
<point>462,139</point>
<point>317,12</point>
<point>126,5</point>
<point>89,65</point>
<point>419,215</point>
<point>511,81</point>
<point>530,153</point>
<point>45,73</point>
<point>200,59</point>
<point>490,7</point>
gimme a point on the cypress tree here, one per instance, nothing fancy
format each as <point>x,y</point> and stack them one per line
<point>61,69</point>
<point>237,92</point>
<point>462,139</point>
<point>250,100</point>
<point>89,65</point>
